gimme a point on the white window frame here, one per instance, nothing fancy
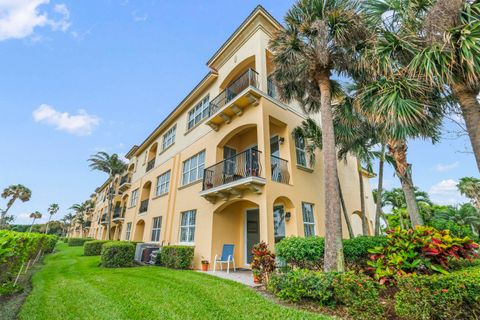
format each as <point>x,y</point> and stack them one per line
<point>156,229</point>
<point>169,137</point>
<point>163,184</point>
<point>189,227</point>
<point>134,198</point>
<point>193,168</point>
<point>300,151</point>
<point>128,231</point>
<point>311,222</point>
<point>199,112</point>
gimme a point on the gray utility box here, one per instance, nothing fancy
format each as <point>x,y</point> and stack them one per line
<point>141,247</point>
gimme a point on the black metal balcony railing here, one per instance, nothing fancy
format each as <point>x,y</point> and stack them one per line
<point>88,224</point>
<point>118,213</point>
<point>150,164</point>
<point>144,206</point>
<point>271,88</point>
<point>279,170</point>
<point>125,179</point>
<point>248,78</point>
<point>104,218</point>
<point>242,165</point>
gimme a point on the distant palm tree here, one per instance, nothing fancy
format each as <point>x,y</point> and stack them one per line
<point>35,215</point>
<point>320,37</point>
<point>470,188</point>
<point>396,199</point>
<point>52,209</point>
<point>67,221</point>
<point>13,192</point>
<point>112,165</point>
<point>465,215</point>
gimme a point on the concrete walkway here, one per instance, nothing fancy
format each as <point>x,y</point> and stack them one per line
<point>242,276</point>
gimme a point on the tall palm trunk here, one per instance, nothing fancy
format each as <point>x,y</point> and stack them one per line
<point>3,223</point>
<point>48,224</point>
<point>31,226</point>
<point>378,209</point>
<point>110,204</point>
<point>362,199</point>
<point>345,212</point>
<point>471,114</point>
<point>398,149</point>
<point>334,260</point>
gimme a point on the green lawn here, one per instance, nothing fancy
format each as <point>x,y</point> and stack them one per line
<point>71,286</point>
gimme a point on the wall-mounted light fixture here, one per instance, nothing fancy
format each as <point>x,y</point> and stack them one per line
<point>281,140</point>
<point>288,215</point>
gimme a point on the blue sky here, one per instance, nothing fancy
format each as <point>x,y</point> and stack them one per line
<point>82,76</point>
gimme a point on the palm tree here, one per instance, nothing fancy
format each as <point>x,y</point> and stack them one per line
<point>67,221</point>
<point>35,215</point>
<point>465,215</point>
<point>447,46</point>
<point>14,192</point>
<point>405,106</point>
<point>52,209</point>
<point>112,165</point>
<point>319,38</point>
<point>470,188</point>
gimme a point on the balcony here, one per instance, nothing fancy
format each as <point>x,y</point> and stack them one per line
<point>104,219</point>
<point>143,206</point>
<point>231,101</point>
<point>118,214</point>
<point>125,183</point>
<point>88,224</point>
<point>233,176</point>
<point>271,88</point>
<point>150,165</point>
<point>280,171</point>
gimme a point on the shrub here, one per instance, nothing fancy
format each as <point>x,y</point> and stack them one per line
<point>302,252</point>
<point>303,284</point>
<point>360,294</point>
<point>263,261</point>
<point>16,248</point>
<point>308,252</point>
<point>117,254</point>
<point>176,257</point>
<point>93,248</point>
<point>77,242</point>
<point>452,296</point>
<point>456,230</point>
<point>424,250</point>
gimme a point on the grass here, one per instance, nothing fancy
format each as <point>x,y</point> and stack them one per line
<point>72,286</point>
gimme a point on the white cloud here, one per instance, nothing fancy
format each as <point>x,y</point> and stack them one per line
<point>19,18</point>
<point>446,167</point>
<point>81,124</point>
<point>445,192</point>
<point>137,17</point>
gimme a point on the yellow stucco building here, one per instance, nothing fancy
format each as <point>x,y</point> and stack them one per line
<point>224,167</point>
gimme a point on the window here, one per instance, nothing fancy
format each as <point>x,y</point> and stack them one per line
<point>187,226</point>
<point>308,219</point>
<point>128,231</point>
<point>157,224</point>
<point>163,181</point>
<point>199,112</point>
<point>279,223</point>
<point>300,150</point>
<point>193,168</point>
<point>133,201</point>
<point>169,137</point>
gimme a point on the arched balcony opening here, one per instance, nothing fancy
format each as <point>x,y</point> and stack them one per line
<point>126,179</point>
<point>144,197</point>
<point>151,156</point>
<point>139,230</point>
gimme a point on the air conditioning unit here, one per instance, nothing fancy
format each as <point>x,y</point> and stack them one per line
<point>139,256</point>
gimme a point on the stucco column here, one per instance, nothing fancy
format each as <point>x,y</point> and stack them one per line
<point>261,62</point>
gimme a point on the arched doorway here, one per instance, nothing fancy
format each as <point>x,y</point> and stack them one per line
<point>356,221</point>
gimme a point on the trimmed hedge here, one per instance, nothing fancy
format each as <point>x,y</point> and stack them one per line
<point>77,242</point>
<point>451,296</point>
<point>117,254</point>
<point>359,294</point>
<point>16,248</point>
<point>93,248</point>
<point>308,252</point>
<point>176,257</point>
